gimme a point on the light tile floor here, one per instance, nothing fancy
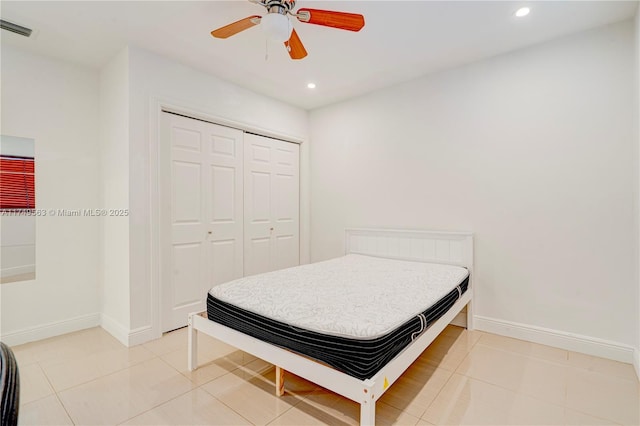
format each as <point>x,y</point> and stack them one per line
<point>464,377</point>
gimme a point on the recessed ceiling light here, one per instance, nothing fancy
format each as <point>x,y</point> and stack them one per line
<point>523,11</point>
<point>311,85</point>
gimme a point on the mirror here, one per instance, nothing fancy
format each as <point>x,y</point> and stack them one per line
<point>17,209</point>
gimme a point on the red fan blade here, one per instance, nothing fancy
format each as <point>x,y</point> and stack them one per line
<point>295,47</point>
<point>329,18</point>
<point>236,27</point>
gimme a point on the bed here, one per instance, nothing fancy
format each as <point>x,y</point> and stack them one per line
<point>363,355</point>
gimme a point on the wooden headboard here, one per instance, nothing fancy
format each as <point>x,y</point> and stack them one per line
<point>452,248</point>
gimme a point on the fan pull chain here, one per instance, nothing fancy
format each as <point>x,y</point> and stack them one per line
<point>266,49</point>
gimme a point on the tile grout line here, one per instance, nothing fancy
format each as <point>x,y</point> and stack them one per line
<point>115,372</point>
<point>566,362</point>
<point>450,371</point>
<point>221,401</point>
<point>156,355</point>
<point>230,408</point>
<point>65,409</point>
<point>535,358</point>
<point>455,371</point>
<point>99,377</point>
<point>55,393</point>
<point>238,366</point>
<point>171,399</point>
<point>254,374</point>
<point>400,411</point>
<point>435,369</point>
<point>504,387</point>
<point>566,391</point>
<point>514,391</point>
<point>42,397</point>
<point>564,405</point>
<point>437,395</point>
<point>155,406</point>
<point>172,367</point>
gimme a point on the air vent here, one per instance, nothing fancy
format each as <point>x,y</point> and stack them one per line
<point>15,28</point>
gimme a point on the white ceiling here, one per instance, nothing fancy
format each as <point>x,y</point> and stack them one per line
<point>400,41</point>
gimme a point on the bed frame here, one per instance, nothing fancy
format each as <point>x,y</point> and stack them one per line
<point>453,248</point>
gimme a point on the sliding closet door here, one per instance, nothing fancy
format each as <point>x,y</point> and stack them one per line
<point>271,204</point>
<point>202,208</point>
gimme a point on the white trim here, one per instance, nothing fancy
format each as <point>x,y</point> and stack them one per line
<point>114,328</point>
<point>51,329</point>
<point>123,334</point>
<point>155,305</point>
<point>140,335</point>
<point>171,106</point>
<point>365,392</point>
<point>157,105</point>
<point>636,358</point>
<point>451,248</point>
<point>559,339</point>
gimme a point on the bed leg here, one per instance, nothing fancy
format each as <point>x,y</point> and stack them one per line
<point>470,315</point>
<point>279,381</point>
<point>192,336</point>
<point>368,413</point>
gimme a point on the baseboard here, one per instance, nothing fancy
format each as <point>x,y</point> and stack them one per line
<point>124,335</point>
<point>51,329</point>
<point>559,339</point>
<point>114,328</point>
<point>140,335</point>
<point>636,362</point>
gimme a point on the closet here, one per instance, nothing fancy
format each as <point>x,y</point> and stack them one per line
<point>271,204</point>
<point>229,207</point>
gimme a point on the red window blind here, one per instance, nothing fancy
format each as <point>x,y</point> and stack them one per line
<point>17,184</point>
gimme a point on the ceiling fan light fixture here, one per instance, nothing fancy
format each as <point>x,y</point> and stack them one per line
<point>523,11</point>
<point>277,27</point>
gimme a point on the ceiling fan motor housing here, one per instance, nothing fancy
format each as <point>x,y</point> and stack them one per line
<point>279,6</point>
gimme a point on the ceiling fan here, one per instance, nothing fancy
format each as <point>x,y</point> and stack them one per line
<point>279,27</point>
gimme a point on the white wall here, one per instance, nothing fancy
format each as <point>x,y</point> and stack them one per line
<point>114,157</point>
<point>153,78</point>
<point>56,104</point>
<point>532,151</point>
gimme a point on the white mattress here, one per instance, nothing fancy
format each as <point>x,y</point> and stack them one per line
<point>355,296</point>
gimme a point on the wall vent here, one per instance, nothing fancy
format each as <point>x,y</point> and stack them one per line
<point>15,28</point>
